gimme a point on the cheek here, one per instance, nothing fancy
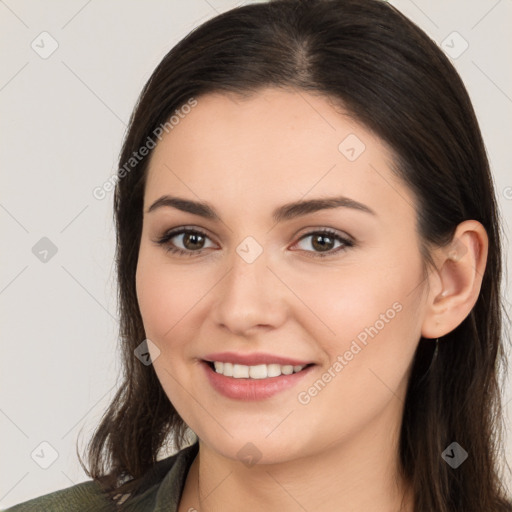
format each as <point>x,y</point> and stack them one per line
<point>342,306</point>
<point>373,315</point>
<point>377,329</point>
<point>159,296</point>
<point>168,297</point>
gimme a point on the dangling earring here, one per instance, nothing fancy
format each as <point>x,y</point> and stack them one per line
<point>434,356</point>
<point>432,361</point>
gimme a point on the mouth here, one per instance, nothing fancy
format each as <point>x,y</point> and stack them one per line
<point>252,383</point>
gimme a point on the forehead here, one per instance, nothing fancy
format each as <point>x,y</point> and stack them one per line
<point>273,147</point>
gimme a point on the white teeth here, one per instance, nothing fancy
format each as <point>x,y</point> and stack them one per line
<point>240,371</point>
<point>227,370</point>
<point>287,370</point>
<point>260,371</point>
<point>273,370</point>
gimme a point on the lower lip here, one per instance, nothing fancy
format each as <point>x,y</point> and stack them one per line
<point>252,389</point>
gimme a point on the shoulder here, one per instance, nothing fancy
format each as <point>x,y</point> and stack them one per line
<point>163,483</point>
<point>86,496</point>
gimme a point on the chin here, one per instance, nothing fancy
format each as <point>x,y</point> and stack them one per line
<point>253,447</point>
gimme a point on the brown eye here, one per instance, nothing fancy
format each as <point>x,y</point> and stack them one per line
<point>323,243</point>
<point>192,241</point>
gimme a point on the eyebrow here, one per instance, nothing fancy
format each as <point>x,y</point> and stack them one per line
<point>282,213</point>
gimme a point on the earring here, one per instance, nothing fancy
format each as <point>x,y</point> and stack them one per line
<point>434,356</point>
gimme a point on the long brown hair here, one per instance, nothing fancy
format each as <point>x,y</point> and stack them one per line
<point>393,79</point>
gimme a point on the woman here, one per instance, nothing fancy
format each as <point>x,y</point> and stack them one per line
<point>309,265</point>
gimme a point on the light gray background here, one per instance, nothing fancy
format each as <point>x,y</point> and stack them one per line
<point>62,123</point>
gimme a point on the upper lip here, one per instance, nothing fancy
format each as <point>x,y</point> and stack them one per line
<point>253,359</point>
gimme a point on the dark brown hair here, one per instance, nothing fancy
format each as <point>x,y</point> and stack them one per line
<point>393,79</point>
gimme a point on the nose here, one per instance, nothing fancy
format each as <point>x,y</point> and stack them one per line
<point>250,297</point>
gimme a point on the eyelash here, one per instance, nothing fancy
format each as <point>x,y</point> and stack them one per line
<point>164,241</point>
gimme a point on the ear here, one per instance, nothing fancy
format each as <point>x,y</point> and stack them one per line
<point>455,285</point>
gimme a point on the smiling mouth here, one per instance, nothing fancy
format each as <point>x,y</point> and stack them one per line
<point>254,372</point>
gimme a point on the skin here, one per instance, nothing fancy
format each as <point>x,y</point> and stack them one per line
<point>246,157</point>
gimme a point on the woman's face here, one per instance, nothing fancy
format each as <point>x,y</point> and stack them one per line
<point>253,288</point>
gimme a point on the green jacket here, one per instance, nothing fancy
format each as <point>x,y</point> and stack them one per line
<point>163,495</point>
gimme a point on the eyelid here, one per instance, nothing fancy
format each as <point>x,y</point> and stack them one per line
<point>185,228</point>
<point>311,230</point>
